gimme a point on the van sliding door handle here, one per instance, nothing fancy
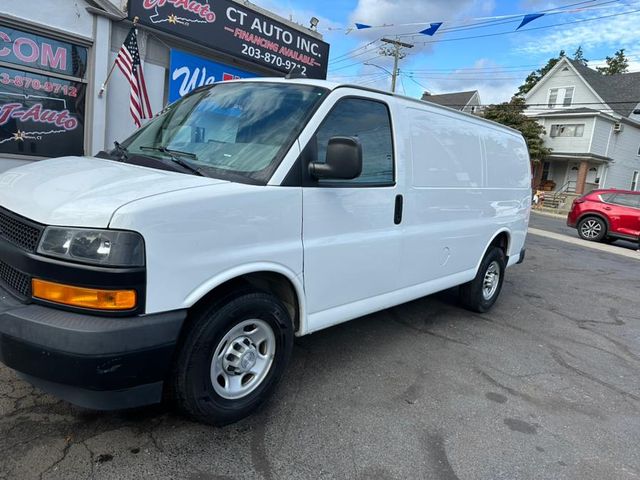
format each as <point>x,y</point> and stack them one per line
<point>397,215</point>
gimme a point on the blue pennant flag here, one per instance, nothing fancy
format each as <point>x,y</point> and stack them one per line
<point>529,18</point>
<point>433,28</point>
<point>361,26</point>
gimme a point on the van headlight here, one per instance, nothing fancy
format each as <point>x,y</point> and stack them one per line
<point>112,248</point>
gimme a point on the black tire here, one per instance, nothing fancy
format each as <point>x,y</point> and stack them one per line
<point>192,386</point>
<point>472,295</point>
<point>593,229</point>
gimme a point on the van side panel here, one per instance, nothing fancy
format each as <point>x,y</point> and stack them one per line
<point>445,216</point>
<point>509,184</point>
<point>460,195</point>
<point>507,160</point>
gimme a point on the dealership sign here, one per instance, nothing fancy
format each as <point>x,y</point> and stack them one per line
<point>236,30</point>
<point>42,102</point>
<point>35,51</point>
<point>187,72</point>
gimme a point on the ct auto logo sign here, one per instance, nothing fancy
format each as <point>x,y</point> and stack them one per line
<point>202,11</point>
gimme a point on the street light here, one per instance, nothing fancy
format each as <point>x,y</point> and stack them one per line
<point>381,68</point>
<point>378,66</point>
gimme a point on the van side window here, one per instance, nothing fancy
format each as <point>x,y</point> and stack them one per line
<point>368,121</point>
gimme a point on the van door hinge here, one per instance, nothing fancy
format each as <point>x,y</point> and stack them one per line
<point>397,216</point>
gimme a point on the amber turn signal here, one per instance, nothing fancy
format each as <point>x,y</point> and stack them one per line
<point>83,297</point>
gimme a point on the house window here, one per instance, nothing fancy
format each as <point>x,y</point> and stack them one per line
<point>567,130</point>
<point>561,97</point>
<point>634,181</point>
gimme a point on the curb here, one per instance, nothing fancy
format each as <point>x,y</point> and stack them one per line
<point>549,214</point>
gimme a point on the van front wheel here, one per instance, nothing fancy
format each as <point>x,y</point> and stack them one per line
<point>481,293</point>
<point>232,358</point>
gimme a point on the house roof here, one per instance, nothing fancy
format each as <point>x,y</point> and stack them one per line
<point>621,91</point>
<point>568,112</point>
<point>457,100</point>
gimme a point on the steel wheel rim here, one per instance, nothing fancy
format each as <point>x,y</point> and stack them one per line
<point>591,228</point>
<point>491,280</point>
<point>242,359</point>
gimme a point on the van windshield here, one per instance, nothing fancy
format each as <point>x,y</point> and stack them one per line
<point>231,130</point>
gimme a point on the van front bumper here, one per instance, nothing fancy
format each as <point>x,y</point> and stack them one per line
<point>94,362</point>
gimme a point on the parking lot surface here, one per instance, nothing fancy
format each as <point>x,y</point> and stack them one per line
<point>545,386</point>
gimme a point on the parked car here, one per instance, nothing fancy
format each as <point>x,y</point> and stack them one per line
<point>606,215</point>
<point>183,262</point>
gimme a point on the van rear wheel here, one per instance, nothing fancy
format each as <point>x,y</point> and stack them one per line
<point>481,293</point>
<point>232,358</point>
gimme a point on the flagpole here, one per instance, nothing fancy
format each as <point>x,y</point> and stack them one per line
<point>104,84</point>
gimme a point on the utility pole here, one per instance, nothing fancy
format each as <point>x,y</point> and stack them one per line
<point>394,50</point>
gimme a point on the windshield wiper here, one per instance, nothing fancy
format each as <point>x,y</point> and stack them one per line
<point>173,154</point>
<point>122,152</point>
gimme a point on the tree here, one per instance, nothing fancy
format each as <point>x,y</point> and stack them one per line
<point>616,64</point>
<point>535,76</point>
<point>512,115</point>
<point>578,56</point>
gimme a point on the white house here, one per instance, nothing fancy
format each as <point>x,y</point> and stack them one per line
<point>591,127</point>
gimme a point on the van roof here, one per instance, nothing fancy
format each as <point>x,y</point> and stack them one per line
<point>335,85</point>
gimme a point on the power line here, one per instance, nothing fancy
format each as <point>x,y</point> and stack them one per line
<point>482,36</point>
<point>364,52</point>
<point>356,63</point>
<point>349,55</point>
<point>468,77</point>
<point>528,29</point>
<point>496,22</point>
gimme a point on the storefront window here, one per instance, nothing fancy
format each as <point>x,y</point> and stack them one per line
<point>42,95</point>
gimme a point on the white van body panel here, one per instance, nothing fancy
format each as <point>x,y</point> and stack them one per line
<point>196,238</point>
<point>458,201</point>
<point>463,181</point>
<point>451,215</point>
<point>84,191</point>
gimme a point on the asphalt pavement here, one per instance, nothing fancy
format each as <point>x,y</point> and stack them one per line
<point>545,386</point>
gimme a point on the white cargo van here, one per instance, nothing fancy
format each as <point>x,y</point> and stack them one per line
<point>183,262</point>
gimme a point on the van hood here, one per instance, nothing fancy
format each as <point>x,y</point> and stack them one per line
<point>85,191</point>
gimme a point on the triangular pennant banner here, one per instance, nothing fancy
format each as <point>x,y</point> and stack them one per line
<point>529,18</point>
<point>433,28</point>
<point>361,26</point>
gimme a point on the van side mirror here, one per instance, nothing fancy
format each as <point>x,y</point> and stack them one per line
<point>344,160</point>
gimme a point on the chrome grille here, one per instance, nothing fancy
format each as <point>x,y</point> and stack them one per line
<point>19,231</point>
<point>17,281</point>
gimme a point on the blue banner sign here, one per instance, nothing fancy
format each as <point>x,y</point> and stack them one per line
<point>188,72</point>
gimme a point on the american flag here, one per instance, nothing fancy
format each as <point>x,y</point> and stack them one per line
<point>128,61</point>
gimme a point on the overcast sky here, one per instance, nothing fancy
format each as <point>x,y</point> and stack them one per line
<point>495,64</point>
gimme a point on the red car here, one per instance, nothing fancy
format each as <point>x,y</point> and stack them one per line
<point>606,215</point>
